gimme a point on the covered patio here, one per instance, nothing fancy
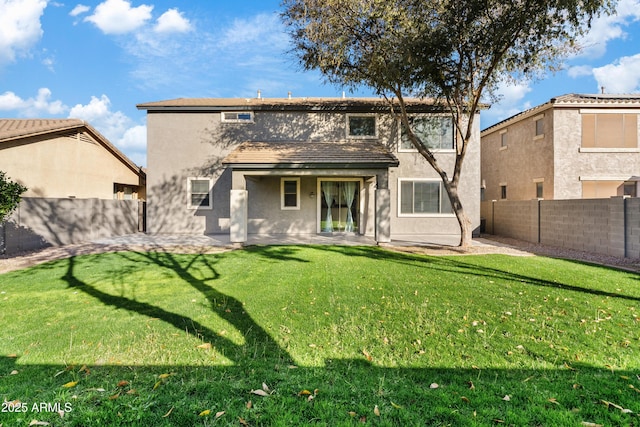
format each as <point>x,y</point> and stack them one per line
<point>311,180</point>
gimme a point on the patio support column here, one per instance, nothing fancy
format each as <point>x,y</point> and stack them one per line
<point>383,209</point>
<point>238,209</point>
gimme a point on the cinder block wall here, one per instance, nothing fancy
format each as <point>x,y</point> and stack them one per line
<point>42,222</point>
<point>633,228</point>
<point>588,225</point>
<point>517,219</point>
<point>603,226</point>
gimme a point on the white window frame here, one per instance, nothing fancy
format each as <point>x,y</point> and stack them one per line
<point>189,193</point>
<point>230,119</point>
<point>423,214</point>
<point>282,194</point>
<point>433,150</point>
<point>365,115</point>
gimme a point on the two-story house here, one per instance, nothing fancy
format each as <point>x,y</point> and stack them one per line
<point>301,166</point>
<point>571,147</point>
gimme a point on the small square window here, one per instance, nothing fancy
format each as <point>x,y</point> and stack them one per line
<point>199,190</point>
<point>237,117</point>
<point>361,126</point>
<point>503,192</point>
<point>290,193</point>
<point>539,190</point>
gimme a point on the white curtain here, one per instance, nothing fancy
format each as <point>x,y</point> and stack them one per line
<point>328,191</point>
<point>349,192</point>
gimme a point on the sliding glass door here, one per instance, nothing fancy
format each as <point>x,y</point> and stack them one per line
<point>339,205</point>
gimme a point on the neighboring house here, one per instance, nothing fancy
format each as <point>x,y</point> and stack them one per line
<point>572,147</point>
<point>299,166</point>
<point>66,158</point>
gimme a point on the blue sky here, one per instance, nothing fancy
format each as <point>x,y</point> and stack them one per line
<point>95,60</point>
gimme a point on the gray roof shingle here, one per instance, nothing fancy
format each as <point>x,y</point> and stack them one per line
<point>310,154</point>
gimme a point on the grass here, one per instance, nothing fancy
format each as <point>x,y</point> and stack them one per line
<point>319,335</point>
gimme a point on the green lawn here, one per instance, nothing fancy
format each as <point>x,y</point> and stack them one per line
<point>326,335</point>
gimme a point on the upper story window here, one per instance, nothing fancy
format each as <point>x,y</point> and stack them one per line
<point>503,139</point>
<point>361,126</point>
<point>237,116</point>
<point>435,132</point>
<point>614,130</point>
<point>539,122</point>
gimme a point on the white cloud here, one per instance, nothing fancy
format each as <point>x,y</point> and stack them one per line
<point>115,126</point>
<point>172,21</point>
<point>118,17</point>
<point>134,138</point>
<point>79,10</point>
<point>606,28</point>
<point>20,27</point>
<point>32,107</point>
<point>510,102</point>
<point>263,29</point>
<point>580,71</point>
<point>622,76</point>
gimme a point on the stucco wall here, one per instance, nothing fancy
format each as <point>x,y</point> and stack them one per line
<point>573,163</point>
<point>41,222</point>
<point>525,159</point>
<point>557,159</point>
<point>193,144</point>
<point>413,165</point>
<point>64,166</point>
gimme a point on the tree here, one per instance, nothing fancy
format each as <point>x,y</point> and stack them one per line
<point>10,193</point>
<point>455,52</point>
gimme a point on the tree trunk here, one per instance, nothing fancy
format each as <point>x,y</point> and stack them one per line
<point>466,232</point>
<point>463,220</point>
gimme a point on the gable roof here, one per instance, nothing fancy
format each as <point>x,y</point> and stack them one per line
<point>310,155</point>
<point>572,100</point>
<point>16,129</point>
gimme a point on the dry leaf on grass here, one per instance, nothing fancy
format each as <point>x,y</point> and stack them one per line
<point>168,413</point>
<point>376,411</point>
<point>260,393</point>
<point>204,413</point>
<point>70,384</point>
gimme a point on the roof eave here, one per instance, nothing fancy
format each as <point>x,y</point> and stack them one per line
<point>307,165</point>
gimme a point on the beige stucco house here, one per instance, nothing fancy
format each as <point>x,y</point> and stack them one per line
<point>299,166</point>
<point>572,147</point>
<point>66,158</point>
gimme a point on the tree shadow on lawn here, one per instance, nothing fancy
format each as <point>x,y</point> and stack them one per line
<point>404,396</point>
<point>344,392</point>
<point>457,265</point>
<point>254,335</point>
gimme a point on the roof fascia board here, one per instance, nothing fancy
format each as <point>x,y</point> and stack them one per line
<point>341,166</point>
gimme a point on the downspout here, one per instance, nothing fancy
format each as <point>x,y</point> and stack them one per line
<point>624,221</point>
